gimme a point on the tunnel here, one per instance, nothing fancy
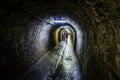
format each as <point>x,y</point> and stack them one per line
<point>59,61</point>
<point>60,39</point>
<point>58,31</point>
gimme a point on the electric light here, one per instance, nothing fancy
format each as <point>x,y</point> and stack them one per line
<point>60,21</point>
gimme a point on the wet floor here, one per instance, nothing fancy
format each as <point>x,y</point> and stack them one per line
<point>58,64</point>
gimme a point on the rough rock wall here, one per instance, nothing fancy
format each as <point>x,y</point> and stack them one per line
<point>99,20</point>
<point>102,57</point>
<point>21,45</point>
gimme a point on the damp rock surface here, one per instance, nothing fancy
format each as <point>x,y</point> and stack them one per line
<point>21,46</point>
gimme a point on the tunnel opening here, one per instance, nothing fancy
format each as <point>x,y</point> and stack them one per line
<point>79,34</point>
<point>55,36</point>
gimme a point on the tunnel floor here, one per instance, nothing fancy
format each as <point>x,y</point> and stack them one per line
<point>58,64</point>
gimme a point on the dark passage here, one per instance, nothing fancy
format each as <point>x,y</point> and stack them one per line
<point>34,44</point>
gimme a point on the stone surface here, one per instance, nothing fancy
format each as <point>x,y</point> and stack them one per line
<point>46,66</point>
<point>99,21</point>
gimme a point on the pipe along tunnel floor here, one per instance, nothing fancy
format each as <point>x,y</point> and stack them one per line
<point>58,64</point>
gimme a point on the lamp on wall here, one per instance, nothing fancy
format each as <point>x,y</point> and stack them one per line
<point>59,19</point>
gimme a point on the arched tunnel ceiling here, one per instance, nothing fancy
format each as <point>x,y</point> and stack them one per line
<point>57,29</point>
<point>99,21</point>
<point>88,11</point>
<point>60,31</point>
<point>31,10</point>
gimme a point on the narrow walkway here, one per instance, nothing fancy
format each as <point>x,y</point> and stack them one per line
<point>69,64</point>
<point>58,64</point>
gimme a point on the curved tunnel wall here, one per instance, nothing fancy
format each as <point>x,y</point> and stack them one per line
<point>55,33</point>
<point>70,31</point>
<point>46,36</point>
<point>59,34</point>
<point>23,43</point>
<point>30,38</point>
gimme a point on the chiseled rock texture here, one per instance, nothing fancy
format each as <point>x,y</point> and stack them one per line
<point>19,35</point>
<point>102,52</point>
